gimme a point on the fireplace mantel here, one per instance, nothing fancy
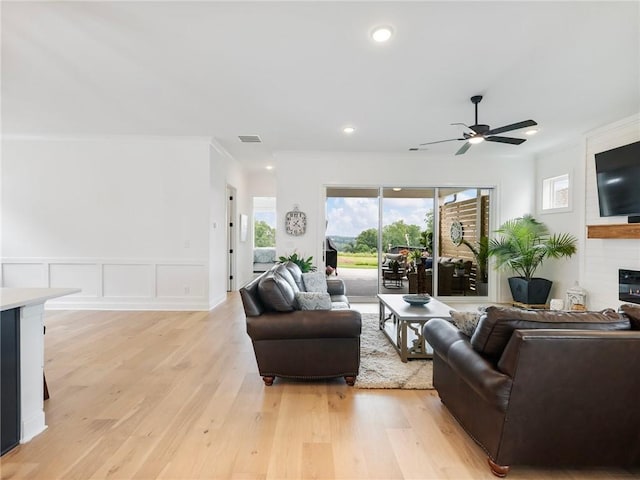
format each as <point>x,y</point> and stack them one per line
<point>623,230</point>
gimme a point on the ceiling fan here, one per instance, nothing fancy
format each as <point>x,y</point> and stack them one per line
<point>480,132</point>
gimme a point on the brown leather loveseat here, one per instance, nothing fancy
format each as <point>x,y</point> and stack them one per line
<point>543,388</point>
<point>295,343</point>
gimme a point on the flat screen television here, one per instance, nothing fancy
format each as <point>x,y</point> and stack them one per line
<point>618,181</point>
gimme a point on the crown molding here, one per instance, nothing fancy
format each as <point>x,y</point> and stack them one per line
<point>104,138</point>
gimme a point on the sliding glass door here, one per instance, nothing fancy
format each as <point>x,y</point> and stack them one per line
<point>352,239</point>
<point>463,220</point>
<point>409,240</point>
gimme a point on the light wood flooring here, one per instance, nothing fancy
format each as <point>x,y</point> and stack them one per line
<point>176,395</point>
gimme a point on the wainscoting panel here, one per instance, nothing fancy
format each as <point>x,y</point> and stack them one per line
<point>115,284</point>
<point>28,275</point>
<point>180,281</point>
<point>127,281</point>
<point>83,276</point>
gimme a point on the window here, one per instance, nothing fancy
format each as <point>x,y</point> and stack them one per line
<point>555,193</point>
<point>264,222</point>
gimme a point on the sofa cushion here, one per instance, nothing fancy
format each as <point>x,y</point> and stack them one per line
<point>296,273</point>
<point>311,324</point>
<point>285,273</point>
<point>340,305</point>
<point>276,293</point>
<point>465,321</point>
<point>313,301</point>
<point>498,323</point>
<point>315,282</point>
<point>633,314</point>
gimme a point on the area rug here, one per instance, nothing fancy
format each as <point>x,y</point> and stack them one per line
<point>380,364</point>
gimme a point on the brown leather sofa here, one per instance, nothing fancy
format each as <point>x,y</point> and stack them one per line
<point>293,343</point>
<point>543,388</point>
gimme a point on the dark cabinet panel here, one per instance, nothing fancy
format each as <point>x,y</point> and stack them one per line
<point>10,379</point>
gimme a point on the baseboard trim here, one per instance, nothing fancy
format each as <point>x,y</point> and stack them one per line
<point>136,306</point>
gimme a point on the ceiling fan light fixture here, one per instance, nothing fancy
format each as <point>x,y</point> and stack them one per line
<point>381,34</point>
<point>481,132</point>
<point>348,130</point>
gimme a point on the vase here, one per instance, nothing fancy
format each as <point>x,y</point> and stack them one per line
<point>530,292</point>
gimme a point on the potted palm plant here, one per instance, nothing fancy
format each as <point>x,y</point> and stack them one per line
<point>305,264</point>
<point>481,253</point>
<point>522,245</point>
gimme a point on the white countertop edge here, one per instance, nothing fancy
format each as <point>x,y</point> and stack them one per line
<point>20,297</point>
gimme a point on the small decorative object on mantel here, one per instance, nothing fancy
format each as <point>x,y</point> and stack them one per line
<point>576,298</point>
<point>295,222</point>
<point>556,304</point>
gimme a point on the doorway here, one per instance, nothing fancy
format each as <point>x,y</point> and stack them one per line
<point>231,238</point>
<point>264,233</point>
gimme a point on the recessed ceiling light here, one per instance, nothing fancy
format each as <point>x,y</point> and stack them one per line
<point>348,130</point>
<point>381,34</point>
<point>269,167</point>
<point>476,140</point>
<point>532,131</point>
<point>396,189</point>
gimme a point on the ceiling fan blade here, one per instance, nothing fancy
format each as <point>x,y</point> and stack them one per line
<point>463,148</point>
<point>511,140</point>
<point>513,126</point>
<point>442,141</point>
<point>464,125</point>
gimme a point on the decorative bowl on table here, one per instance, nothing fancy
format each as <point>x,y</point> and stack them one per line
<point>417,299</point>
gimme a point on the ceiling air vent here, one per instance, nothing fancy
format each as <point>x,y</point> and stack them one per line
<point>250,138</point>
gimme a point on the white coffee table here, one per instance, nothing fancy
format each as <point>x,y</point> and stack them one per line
<point>403,324</point>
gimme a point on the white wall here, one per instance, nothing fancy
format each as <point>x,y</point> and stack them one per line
<point>262,184</point>
<point>603,257</point>
<point>225,171</point>
<point>598,260</point>
<point>301,178</point>
<point>124,219</point>
<point>566,160</point>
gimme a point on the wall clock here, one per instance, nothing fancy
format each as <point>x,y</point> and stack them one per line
<point>456,232</point>
<point>295,222</point>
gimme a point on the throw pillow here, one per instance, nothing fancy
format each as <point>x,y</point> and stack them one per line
<point>633,312</point>
<point>315,282</point>
<point>465,321</point>
<point>313,301</point>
